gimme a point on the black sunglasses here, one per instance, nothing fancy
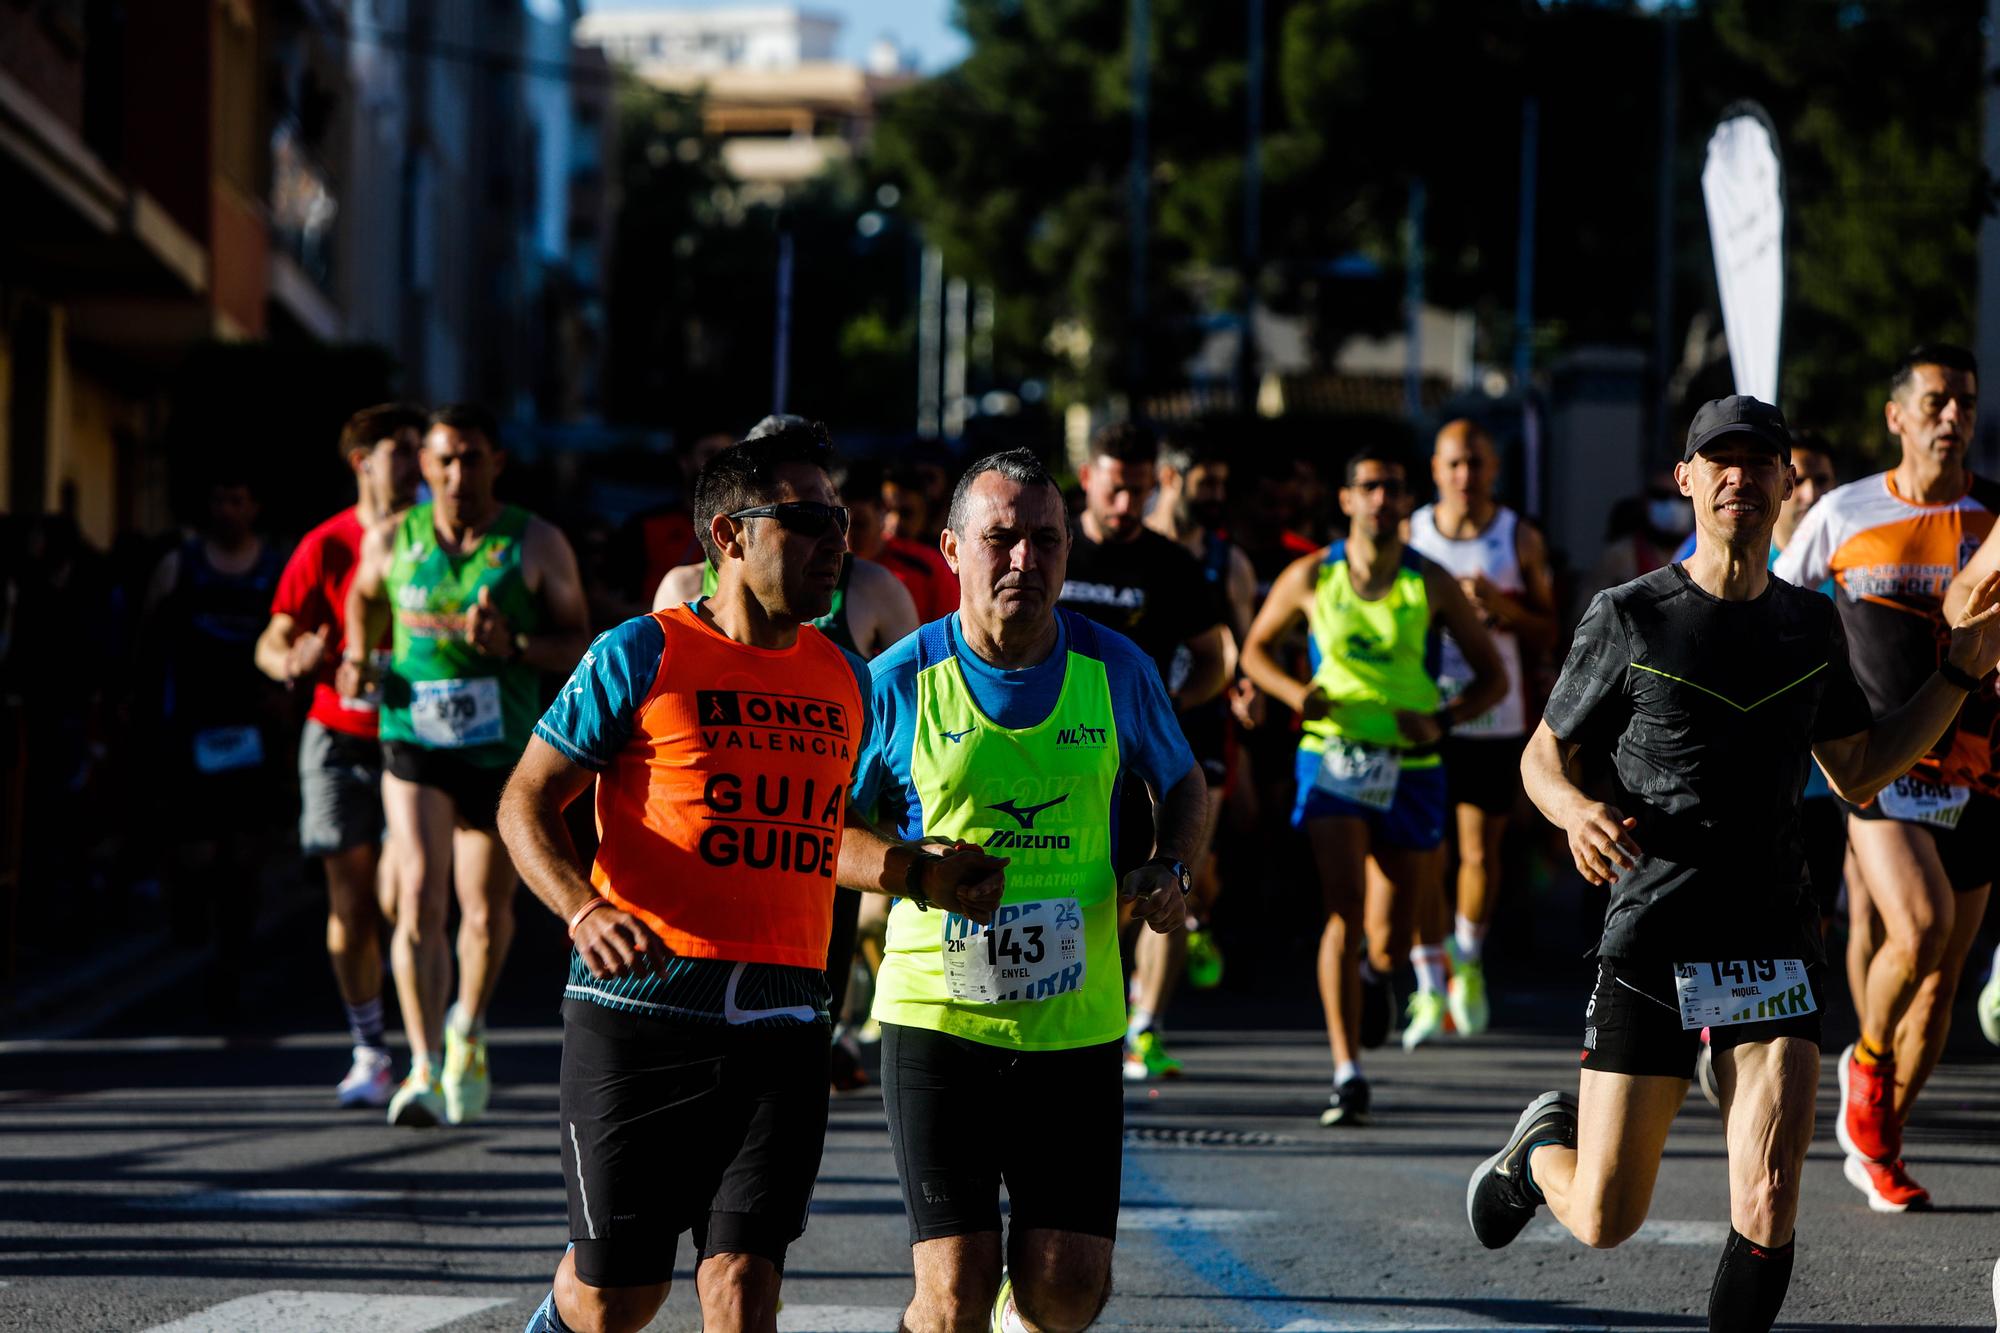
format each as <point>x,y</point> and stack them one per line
<point>808,518</point>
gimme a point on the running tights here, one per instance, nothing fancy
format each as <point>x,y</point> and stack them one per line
<point>1750,1286</point>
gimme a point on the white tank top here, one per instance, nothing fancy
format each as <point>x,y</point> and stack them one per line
<point>1495,554</point>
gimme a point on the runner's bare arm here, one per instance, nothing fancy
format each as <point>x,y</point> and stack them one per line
<point>1181,816</point>
<point>1860,765</point>
<point>880,609</point>
<point>1287,603</point>
<point>1600,835</point>
<point>367,609</point>
<point>1531,613</point>
<point>1241,589</point>
<point>552,574</point>
<point>957,877</point>
<point>610,940</point>
<point>1985,560</point>
<point>1489,671</point>
<point>284,654</point>
<point>678,586</point>
<point>1214,661</point>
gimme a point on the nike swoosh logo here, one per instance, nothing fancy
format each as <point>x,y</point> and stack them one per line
<point>731,1014</point>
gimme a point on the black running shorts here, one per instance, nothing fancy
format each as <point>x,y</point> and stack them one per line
<point>1484,772</point>
<point>669,1128</point>
<point>965,1118</point>
<point>1823,826</point>
<point>1633,1025</point>
<point>474,789</point>
<point>1970,851</point>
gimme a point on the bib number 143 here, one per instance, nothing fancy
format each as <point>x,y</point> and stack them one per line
<point>1031,951</point>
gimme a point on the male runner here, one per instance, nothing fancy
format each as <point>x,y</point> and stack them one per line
<point>1192,508</point>
<point>340,760</point>
<point>1502,564</point>
<point>1924,852</point>
<point>1706,688</point>
<point>483,597</point>
<point>720,738</point>
<point>1012,724</point>
<point>1129,578</point>
<point>1369,778</point>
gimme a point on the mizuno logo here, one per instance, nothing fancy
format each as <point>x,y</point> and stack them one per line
<point>954,736</point>
<point>1026,818</point>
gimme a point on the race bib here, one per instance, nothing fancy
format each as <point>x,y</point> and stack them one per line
<point>228,749</point>
<point>1915,801</point>
<point>370,700</point>
<point>1744,990</point>
<point>1364,774</point>
<point>1032,951</point>
<point>452,714</point>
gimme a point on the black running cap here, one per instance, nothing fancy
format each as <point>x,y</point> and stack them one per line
<point>1738,414</point>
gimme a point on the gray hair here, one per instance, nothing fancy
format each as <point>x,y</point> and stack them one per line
<point>1019,466</point>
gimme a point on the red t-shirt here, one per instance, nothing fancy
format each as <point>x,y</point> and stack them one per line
<point>924,572</point>
<point>313,592</point>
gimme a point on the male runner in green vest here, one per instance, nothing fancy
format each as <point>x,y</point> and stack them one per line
<point>483,597</point>
<point>1011,725</point>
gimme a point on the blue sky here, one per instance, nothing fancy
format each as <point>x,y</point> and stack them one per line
<point>922,26</point>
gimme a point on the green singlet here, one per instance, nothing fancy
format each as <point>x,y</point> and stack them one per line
<point>440,692</point>
<point>1374,658</point>
<point>1045,976</point>
<point>833,624</point>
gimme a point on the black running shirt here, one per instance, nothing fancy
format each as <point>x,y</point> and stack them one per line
<point>1708,711</point>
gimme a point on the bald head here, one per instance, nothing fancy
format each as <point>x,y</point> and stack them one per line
<point>1464,464</point>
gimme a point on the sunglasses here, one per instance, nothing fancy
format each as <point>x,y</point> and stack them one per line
<point>808,518</point>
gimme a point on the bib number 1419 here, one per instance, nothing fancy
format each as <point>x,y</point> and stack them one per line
<point>1742,990</point>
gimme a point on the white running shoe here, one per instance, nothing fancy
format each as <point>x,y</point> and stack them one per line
<point>1989,1008</point>
<point>370,1081</point>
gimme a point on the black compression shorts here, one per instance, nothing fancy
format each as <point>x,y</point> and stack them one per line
<point>1484,772</point>
<point>669,1128</point>
<point>965,1117</point>
<point>1633,1025</point>
<point>1969,850</point>
<point>474,789</point>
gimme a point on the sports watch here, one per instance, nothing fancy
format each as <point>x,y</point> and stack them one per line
<point>1180,871</point>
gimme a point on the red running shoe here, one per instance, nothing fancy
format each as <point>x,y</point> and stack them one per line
<point>1888,1187</point>
<point>1866,1125</point>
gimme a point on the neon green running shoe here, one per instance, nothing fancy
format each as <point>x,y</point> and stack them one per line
<point>1424,1019</point>
<point>419,1102</point>
<point>1470,1011</point>
<point>1204,960</point>
<point>1146,1058</point>
<point>1989,1011</point>
<point>1000,1323</point>
<point>467,1084</point>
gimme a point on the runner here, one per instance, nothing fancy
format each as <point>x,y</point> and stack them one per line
<point>221,721</point>
<point>1500,561</point>
<point>1923,855</point>
<point>1369,779</point>
<point>1129,578</point>
<point>1012,724</point>
<point>1706,689</point>
<point>1193,509</point>
<point>693,1089</point>
<point>340,760</point>
<point>916,562</point>
<point>483,597</point>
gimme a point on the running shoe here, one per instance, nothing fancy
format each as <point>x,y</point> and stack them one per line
<point>419,1102</point>
<point>467,1083</point>
<point>370,1081</point>
<point>1866,1125</point>
<point>1501,1197</point>
<point>1347,1104</point>
<point>1376,1001</point>
<point>1146,1057</point>
<point>1989,1008</point>
<point>1470,1011</point>
<point>1704,1074</point>
<point>1424,1019</point>
<point>1204,960</point>
<point>1887,1185</point>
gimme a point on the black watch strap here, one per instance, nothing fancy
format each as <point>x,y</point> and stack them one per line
<point>1180,872</point>
<point>911,875</point>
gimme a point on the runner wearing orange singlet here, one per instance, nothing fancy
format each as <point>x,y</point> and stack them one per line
<point>720,736</point>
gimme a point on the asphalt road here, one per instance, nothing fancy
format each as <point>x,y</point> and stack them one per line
<point>160,1175</point>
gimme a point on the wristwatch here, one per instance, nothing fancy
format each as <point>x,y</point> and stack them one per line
<point>1180,872</point>
<point>911,874</point>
